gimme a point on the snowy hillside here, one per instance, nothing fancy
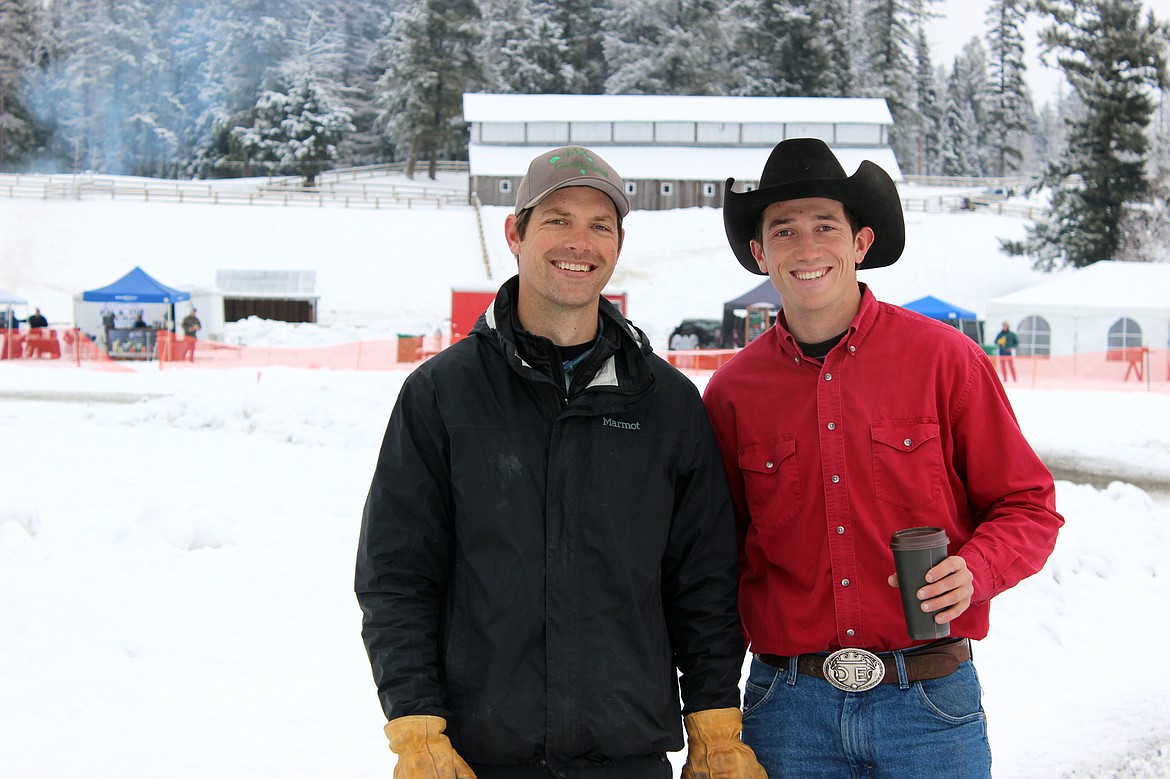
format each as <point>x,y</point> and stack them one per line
<point>674,265</point>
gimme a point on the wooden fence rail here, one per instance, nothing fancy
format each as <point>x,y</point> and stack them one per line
<point>348,195</point>
<point>359,188</point>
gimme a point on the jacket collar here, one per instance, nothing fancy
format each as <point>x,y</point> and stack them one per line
<point>621,347</point>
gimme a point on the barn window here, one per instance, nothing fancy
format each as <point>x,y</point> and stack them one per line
<point>859,134</point>
<point>631,187</point>
<point>501,132</point>
<point>505,185</point>
<point>548,132</point>
<point>717,132</point>
<point>708,190</point>
<point>590,132</point>
<point>810,130</point>
<point>633,132</point>
<point>674,132</point>
<point>761,133</point>
<point>666,189</point>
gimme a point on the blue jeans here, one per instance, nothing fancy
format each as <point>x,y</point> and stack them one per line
<point>801,726</point>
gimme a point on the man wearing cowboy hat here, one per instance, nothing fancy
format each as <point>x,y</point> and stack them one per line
<point>547,554</point>
<point>848,420</point>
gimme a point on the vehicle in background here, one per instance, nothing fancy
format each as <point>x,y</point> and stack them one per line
<point>696,334</point>
<point>997,193</point>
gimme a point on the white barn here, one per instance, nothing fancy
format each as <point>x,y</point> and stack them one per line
<point>1109,306</point>
<point>673,151</point>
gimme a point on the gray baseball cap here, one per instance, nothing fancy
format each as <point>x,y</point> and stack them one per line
<point>570,166</point>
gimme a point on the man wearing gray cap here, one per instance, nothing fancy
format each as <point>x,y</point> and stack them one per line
<point>547,553</point>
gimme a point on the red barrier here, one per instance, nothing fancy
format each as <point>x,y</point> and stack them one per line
<point>42,343</point>
<point>11,345</point>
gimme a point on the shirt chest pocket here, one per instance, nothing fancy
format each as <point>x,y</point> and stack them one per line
<point>907,462</point>
<point>772,481</point>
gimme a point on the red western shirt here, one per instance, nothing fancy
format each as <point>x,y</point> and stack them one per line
<point>904,424</point>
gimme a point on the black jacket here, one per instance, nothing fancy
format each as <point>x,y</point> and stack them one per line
<point>533,567</point>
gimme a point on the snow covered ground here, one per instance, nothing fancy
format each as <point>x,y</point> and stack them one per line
<point>176,546</point>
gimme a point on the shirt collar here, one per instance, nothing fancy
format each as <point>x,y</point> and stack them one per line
<point>855,334</point>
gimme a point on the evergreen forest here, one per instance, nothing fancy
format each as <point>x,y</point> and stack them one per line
<point>226,88</point>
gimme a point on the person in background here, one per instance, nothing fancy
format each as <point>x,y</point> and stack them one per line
<point>846,421</point>
<point>191,327</point>
<point>37,320</point>
<point>547,541</point>
<point>139,322</point>
<point>1006,343</point>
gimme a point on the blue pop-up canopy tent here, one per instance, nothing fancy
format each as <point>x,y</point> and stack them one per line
<point>137,291</point>
<point>965,320</point>
<point>137,286</point>
<point>939,309</point>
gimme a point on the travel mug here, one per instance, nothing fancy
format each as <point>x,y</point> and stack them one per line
<point>917,550</point>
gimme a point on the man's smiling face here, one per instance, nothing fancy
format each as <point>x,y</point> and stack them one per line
<point>808,249</point>
<point>568,252</point>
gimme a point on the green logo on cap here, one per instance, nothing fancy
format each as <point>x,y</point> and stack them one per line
<point>585,167</point>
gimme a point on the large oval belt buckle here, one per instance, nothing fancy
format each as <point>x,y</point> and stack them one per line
<point>853,670</point>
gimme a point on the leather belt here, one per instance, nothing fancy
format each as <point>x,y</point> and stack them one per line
<point>930,661</point>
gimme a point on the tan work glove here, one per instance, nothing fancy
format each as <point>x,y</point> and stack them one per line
<point>714,750</point>
<point>423,751</point>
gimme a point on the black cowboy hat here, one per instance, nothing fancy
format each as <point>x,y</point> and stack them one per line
<point>806,167</point>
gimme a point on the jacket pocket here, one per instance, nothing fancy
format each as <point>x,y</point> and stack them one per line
<point>771,481</point>
<point>458,661</point>
<point>907,461</point>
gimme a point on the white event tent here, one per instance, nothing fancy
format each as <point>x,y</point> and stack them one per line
<point>1106,305</point>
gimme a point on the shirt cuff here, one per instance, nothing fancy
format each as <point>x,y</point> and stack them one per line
<point>982,580</point>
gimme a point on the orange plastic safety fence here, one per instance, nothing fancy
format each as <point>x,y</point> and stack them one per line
<point>1124,369</point>
<point>1144,369</point>
<point>358,355</point>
